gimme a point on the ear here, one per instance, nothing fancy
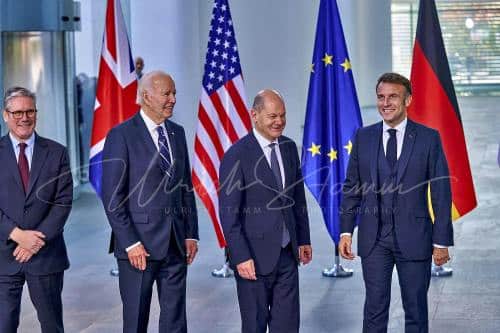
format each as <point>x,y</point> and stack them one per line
<point>5,116</point>
<point>408,101</point>
<point>253,114</point>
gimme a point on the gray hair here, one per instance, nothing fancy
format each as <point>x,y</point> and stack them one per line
<point>258,102</point>
<point>13,92</point>
<point>146,84</point>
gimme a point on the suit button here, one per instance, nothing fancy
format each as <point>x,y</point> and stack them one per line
<point>25,211</point>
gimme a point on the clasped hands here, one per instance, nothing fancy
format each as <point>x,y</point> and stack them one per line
<point>246,269</point>
<point>441,255</point>
<point>138,254</point>
<point>29,242</point>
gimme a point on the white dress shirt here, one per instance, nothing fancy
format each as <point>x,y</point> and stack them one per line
<point>264,144</point>
<point>28,151</point>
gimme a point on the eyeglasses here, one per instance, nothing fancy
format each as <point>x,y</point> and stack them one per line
<point>19,114</point>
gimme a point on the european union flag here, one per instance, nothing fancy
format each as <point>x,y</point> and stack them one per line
<point>332,116</point>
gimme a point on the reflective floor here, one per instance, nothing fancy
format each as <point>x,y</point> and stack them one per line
<point>469,301</point>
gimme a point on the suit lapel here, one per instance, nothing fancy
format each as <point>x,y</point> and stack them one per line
<point>263,170</point>
<point>286,157</point>
<point>374,151</point>
<point>40,152</point>
<point>144,135</point>
<point>8,157</point>
<point>407,148</point>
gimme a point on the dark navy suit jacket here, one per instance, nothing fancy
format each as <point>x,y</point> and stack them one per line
<point>140,203</point>
<point>422,161</point>
<point>251,208</point>
<point>45,207</point>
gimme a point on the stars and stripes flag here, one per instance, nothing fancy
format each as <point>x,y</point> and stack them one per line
<point>434,104</point>
<point>116,91</point>
<point>332,117</point>
<point>223,117</point>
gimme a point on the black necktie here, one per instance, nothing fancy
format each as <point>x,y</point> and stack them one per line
<point>22,164</point>
<point>275,166</point>
<point>165,162</point>
<point>392,148</point>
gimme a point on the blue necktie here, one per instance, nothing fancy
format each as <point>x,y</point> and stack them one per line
<point>392,148</point>
<point>275,166</point>
<point>165,162</point>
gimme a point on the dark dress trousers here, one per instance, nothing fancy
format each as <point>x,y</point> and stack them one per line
<point>45,207</point>
<point>144,204</point>
<point>395,227</point>
<point>253,212</point>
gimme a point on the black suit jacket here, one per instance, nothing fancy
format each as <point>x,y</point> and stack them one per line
<point>45,207</point>
<point>140,203</point>
<point>251,208</point>
<point>422,161</point>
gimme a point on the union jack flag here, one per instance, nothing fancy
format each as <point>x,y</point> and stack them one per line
<point>116,90</point>
<point>223,117</point>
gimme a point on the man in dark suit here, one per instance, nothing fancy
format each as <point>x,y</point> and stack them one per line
<point>392,163</point>
<point>263,213</point>
<point>148,198</point>
<point>35,201</point>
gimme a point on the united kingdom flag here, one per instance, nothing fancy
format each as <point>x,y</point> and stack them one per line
<point>116,91</point>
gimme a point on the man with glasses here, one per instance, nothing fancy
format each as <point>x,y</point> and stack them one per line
<point>35,201</point>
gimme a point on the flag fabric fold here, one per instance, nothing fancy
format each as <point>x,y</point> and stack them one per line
<point>332,116</point>
<point>434,104</point>
<point>223,117</point>
<point>116,91</point>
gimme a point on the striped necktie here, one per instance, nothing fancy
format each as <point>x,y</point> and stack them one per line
<point>165,162</point>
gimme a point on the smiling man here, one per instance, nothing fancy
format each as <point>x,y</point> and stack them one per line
<point>264,216</point>
<point>35,201</point>
<point>394,161</point>
<point>149,201</point>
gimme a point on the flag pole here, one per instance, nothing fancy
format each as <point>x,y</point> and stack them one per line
<point>337,270</point>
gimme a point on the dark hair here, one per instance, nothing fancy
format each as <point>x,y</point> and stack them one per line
<point>395,78</point>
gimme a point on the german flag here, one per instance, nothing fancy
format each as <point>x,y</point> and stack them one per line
<point>434,104</point>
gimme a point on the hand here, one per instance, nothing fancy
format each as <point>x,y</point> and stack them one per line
<point>246,270</point>
<point>345,245</point>
<point>191,250</point>
<point>31,240</point>
<point>305,254</point>
<point>137,257</point>
<point>441,255</point>
<point>22,255</point>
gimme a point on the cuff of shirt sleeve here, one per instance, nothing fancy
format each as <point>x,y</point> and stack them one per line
<point>193,239</point>
<point>132,246</point>
<point>440,246</point>
<point>346,234</point>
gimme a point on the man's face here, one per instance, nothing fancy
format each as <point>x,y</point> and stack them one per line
<point>271,120</point>
<point>139,65</point>
<point>21,128</point>
<point>392,102</point>
<point>160,99</point>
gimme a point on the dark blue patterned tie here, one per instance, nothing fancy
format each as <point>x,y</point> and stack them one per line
<point>275,166</point>
<point>392,148</point>
<point>165,162</point>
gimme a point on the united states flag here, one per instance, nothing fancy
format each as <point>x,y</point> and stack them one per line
<point>223,117</point>
<point>116,91</point>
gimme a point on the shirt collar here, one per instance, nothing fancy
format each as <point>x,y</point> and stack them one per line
<point>263,142</point>
<point>15,142</point>
<point>150,124</point>
<point>399,128</point>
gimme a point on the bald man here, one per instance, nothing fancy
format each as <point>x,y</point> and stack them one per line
<point>264,216</point>
<point>148,198</point>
